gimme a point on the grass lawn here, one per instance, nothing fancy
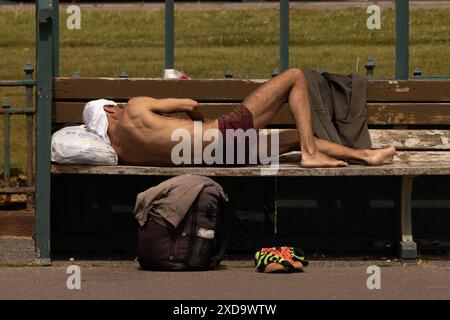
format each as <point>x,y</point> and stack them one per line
<point>210,42</point>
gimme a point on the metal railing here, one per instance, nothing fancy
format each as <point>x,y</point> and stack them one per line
<point>401,37</point>
<point>49,13</point>
<point>29,111</point>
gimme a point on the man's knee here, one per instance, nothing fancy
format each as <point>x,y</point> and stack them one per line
<point>296,74</point>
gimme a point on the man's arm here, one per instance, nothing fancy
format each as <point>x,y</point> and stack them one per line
<point>169,105</point>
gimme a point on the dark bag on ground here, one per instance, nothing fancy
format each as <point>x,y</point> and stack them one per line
<point>199,239</point>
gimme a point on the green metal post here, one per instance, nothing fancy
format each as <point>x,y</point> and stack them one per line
<point>284,35</point>
<point>170,35</point>
<point>55,37</point>
<point>44,63</point>
<point>29,128</point>
<point>401,39</point>
<point>6,148</point>
<point>29,69</point>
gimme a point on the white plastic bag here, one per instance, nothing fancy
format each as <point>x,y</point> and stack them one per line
<point>76,145</point>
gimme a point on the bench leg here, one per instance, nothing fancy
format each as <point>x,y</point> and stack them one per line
<point>42,235</point>
<point>408,248</point>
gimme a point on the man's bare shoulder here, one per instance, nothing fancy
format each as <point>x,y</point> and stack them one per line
<point>141,101</point>
<point>139,105</point>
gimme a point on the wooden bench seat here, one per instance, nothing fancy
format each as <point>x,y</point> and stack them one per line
<point>412,115</point>
<point>407,163</point>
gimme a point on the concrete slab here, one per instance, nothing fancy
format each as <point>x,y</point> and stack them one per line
<point>16,250</point>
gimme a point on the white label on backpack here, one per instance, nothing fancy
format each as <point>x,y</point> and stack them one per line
<point>204,233</point>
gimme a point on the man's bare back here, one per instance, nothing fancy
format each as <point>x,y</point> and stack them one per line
<point>141,130</point>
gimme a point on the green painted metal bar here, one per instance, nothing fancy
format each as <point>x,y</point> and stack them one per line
<point>169,35</point>
<point>28,69</point>
<point>17,83</point>
<point>18,111</point>
<point>44,63</point>
<point>16,190</point>
<point>29,131</point>
<point>284,35</point>
<point>432,78</point>
<point>6,147</point>
<point>401,39</point>
<point>55,37</point>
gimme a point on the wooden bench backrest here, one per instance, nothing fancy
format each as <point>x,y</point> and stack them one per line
<point>412,103</point>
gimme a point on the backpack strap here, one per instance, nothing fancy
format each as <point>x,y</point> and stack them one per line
<point>223,226</point>
<point>193,211</point>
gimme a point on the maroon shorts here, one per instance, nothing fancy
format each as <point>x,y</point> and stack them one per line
<point>240,118</point>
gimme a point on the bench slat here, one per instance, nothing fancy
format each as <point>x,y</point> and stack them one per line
<point>406,164</point>
<point>121,89</point>
<point>408,113</point>
<point>411,139</point>
<point>402,158</point>
<point>378,113</point>
<point>65,112</point>
<point>408,90</point>
<point>124,89</point>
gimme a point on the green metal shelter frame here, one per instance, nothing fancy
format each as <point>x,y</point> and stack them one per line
<point>47,62</point>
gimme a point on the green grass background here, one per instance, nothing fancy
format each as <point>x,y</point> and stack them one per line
<point>210,42</point>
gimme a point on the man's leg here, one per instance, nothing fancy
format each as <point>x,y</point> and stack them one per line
<point>288,141</point>
<point>267,100</point>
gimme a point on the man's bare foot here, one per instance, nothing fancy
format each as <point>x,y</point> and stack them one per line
<point>319,160</point>
<point>379,157</point>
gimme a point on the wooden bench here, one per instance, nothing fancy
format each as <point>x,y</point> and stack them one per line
<point>412,115</point>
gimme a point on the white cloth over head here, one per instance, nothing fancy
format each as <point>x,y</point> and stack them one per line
<point>95,119</point>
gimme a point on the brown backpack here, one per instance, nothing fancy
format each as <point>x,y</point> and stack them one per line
<point>197,243</point>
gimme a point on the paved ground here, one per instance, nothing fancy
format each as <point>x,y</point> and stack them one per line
<point>236,280</point>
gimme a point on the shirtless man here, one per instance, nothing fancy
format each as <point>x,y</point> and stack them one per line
<point>140,132</point>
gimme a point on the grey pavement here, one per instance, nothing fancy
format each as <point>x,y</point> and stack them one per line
<point>234,280</point>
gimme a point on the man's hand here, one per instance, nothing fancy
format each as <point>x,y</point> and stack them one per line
<point>193,112</point>
<point>190,104</point>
